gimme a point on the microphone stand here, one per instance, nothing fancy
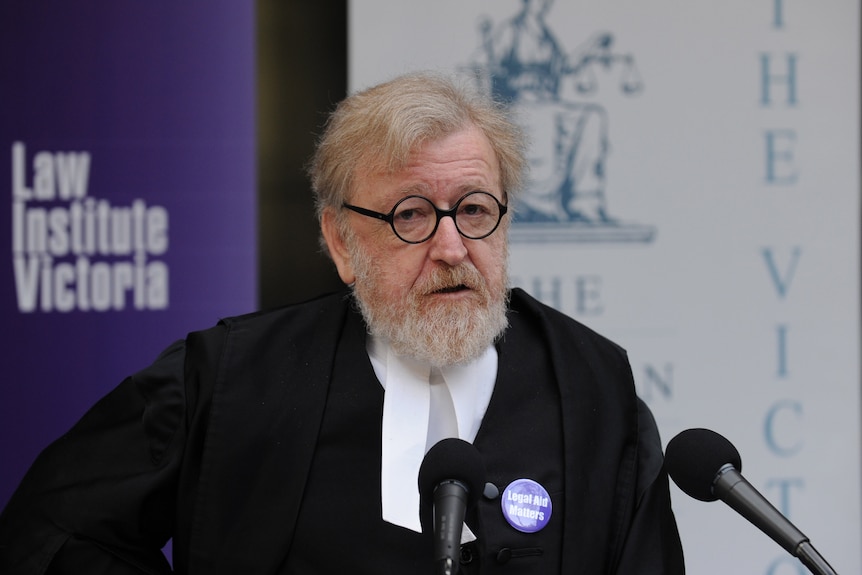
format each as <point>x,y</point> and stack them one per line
<point>732,488</point>
<point>813,560</point>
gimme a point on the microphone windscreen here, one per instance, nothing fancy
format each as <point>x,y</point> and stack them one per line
<point>693,459</point>
<point>452,459</point>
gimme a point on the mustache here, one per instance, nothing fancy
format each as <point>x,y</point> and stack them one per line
<point>452,278</point>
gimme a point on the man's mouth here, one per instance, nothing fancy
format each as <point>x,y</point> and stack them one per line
<point>452,289</point>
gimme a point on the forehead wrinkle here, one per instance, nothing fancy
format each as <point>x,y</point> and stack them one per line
<point>440,187</point>
<point>438,174</point>
<point>466,178</point>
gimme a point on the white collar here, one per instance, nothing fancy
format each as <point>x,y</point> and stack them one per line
<point>405,419</point>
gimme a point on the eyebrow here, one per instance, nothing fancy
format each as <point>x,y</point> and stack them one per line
<point>424,190</point>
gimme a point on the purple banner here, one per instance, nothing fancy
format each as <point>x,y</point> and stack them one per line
<point>127,156</point>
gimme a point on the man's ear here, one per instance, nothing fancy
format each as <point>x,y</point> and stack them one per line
<point>337,247</point>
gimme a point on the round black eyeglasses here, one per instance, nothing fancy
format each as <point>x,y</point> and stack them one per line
<point>415,219</point>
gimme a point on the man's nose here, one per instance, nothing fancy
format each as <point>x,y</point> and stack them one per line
<point>447,244</point>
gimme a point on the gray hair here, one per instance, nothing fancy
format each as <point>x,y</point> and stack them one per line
<point>380,127</point>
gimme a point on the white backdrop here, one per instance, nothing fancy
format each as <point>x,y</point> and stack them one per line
<point>695,197</point>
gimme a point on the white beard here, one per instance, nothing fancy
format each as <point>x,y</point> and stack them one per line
<point>441,333</point>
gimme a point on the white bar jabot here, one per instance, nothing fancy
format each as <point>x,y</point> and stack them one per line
<point>412,391</point>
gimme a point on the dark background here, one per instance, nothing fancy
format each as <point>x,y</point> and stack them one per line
<point>301,75</point>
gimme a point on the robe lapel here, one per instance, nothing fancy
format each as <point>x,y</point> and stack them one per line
<point>599,439</point>
<point>266,412</point>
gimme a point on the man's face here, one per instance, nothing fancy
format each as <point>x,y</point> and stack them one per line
<point>442,300</point>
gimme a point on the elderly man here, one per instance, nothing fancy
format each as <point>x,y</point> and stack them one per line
<point>289,441</point>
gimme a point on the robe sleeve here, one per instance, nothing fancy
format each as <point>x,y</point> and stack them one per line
<point>101,498</point>
<point>652,545</point>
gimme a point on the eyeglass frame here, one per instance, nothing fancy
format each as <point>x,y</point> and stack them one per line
<point>440,214</point>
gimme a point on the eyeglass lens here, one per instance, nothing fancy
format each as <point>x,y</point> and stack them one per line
<point>476,215</point>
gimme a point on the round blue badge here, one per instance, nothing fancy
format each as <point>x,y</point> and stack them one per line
<point>526,505</point>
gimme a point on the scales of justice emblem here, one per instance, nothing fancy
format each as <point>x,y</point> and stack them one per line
<point>523,64</point>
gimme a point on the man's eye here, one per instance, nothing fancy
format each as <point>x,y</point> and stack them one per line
<point>473,210</point>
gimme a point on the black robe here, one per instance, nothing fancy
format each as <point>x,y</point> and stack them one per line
<point>214,443</point>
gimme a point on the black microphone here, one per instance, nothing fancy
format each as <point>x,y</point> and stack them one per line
<point>451,478</point>
<point>707,467</point>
